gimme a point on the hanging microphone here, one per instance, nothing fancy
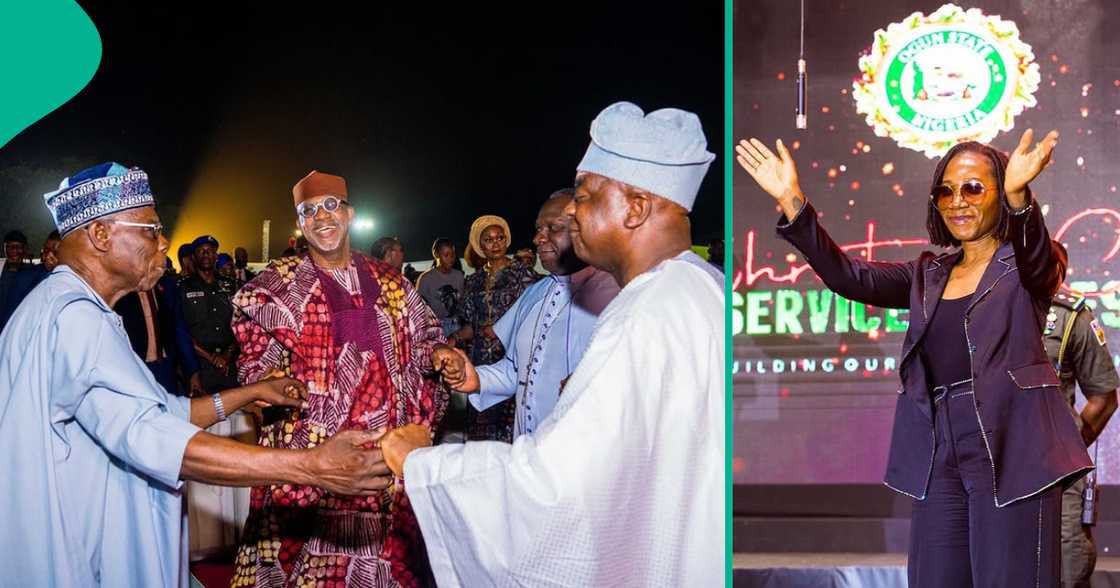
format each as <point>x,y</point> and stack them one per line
<point>802,113</point>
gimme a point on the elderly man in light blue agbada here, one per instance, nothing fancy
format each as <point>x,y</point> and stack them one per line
<point>94,449</point>
<point>623,483</point>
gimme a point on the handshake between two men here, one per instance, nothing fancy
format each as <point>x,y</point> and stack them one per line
<point>381,452</point>
<point>351,462</point>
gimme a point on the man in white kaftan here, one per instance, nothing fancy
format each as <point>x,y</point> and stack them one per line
<point>623,484</point>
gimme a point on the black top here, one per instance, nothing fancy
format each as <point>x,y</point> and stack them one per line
<point>945,347</point>
<point>208,311</point>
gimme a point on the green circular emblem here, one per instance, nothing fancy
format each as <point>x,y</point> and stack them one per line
<point>955,75</point>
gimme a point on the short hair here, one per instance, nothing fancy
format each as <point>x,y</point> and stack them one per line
<point>939,234</point>
<point>568,193</point>
<point>15,237</point>
<point>54,236</point>
<point>185,250</point>
<point>440,243</point>
<point>382,246</point>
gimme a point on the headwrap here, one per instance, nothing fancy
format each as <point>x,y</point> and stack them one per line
<point>319,184</point>
<point>663,152</point>
<point>97,192</point>
<point>480,225</point>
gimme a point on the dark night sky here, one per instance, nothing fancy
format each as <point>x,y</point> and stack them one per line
<point>433,117</point>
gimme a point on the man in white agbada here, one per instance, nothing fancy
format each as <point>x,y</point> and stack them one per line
<point>94,449</point>
<point>623,484</point>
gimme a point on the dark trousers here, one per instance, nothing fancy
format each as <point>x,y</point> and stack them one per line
<point>1079,552</point>
<point>958,537</point>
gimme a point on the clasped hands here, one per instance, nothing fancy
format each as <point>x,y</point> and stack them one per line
<point>362,463</point>
<point>350,462</point>
<point>456,369</point>
<point>383,451</point>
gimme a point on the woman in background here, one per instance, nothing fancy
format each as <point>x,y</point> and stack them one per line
<point>487,295</point>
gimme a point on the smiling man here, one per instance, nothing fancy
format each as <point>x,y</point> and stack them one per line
<point>622,484</point>
<point>94,448</point>
<point>564,306</point>
<point>361,337</point>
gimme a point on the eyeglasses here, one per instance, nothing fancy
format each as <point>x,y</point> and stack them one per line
<point>496,239</point>
<point>329,204</point>
<point>972,191</point>
<point>154,229</point>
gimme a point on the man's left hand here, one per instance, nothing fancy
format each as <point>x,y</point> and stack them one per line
<point>281,392</point>
<point>399,442</point>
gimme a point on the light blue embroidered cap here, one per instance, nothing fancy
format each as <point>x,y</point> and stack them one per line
<point>96,192</point>
<point>663,152</point>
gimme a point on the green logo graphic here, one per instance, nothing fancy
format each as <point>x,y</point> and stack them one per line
<point>929,82</point>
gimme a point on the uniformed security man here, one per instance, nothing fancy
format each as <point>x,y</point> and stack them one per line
<point>208,310</point>
<point>1075,343</point>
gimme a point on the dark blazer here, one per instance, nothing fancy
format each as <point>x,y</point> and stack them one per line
<point>175,344</point>
<point>1031,441</point>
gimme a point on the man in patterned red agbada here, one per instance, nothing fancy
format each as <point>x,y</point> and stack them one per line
<point>357,333</point>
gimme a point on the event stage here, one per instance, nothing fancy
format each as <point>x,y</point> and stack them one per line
<point>853,570</point>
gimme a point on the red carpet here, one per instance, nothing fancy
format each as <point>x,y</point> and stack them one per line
<point>214,572</point>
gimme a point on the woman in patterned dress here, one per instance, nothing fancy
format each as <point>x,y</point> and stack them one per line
<point>487,294</point>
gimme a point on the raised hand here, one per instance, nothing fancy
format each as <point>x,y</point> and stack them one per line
<point>456,369</point>
<point>775,174</point>
<point>1025,165</point>
<point>399,442</point>
<point>343,464</point>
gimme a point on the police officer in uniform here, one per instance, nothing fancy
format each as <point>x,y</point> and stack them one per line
<point>207,306</point>
<point>1075,343</point>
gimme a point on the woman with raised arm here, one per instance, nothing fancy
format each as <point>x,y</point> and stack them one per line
<point>982,439</point>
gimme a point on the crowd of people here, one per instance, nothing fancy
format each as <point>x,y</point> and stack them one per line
<point>403,429</point>
<point>182,327</point>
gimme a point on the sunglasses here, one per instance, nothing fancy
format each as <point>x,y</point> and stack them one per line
<point>972,191</point>
<point>330,204</point>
